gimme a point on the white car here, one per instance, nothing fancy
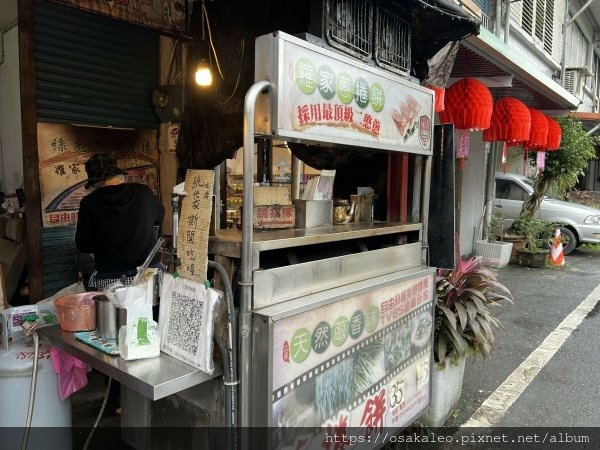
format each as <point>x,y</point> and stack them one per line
<point>581,222</point>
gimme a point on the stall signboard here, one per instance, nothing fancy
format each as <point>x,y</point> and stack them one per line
<point>318,95</point>
<point>63,150</point>
<point>361,364</point>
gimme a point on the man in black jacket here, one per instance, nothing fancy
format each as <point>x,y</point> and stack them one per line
<point>117,223</point>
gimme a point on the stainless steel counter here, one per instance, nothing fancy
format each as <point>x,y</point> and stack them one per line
<point>228,242</point>
<point>154,378</point>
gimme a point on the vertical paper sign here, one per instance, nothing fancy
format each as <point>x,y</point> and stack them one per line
<point>173,138</point>
<point>462,146</point>
<point>540,160</point>
<point>194,223</point>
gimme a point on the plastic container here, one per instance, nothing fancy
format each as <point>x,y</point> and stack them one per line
<point>77,312</point>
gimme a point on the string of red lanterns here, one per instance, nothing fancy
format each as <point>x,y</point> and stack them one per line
<point>468,105</point>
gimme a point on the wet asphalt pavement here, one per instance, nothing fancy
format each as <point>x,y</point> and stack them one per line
<point>566,391</point>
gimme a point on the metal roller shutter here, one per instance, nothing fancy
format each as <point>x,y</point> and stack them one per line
<point>94,70</point>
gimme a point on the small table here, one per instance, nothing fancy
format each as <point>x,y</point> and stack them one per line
<point>154,378</point>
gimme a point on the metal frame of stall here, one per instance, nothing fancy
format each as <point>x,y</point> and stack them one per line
<point>256,349</point>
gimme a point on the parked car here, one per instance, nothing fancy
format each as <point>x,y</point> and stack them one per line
<point>581,222</point>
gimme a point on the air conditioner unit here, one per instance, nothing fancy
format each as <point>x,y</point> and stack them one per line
<point>571,82</point>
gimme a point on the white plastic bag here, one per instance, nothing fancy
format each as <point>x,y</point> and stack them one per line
<point>187,313</point>
<point>139,339</point>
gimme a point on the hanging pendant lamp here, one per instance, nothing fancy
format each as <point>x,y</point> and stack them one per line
<point>554,134</point>
<point>538,135</point>
<point>468,105</point>
<point>511,122</point>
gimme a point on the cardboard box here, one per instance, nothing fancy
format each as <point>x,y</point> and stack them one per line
<point>272,195</point>
<point>273,217</point>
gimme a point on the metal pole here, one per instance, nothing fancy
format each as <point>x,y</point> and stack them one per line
<point>426,175</point>
<point>491,185</point>
<point>246,265</point>
<point>498,25</point>
<point>563,63</point>
<point>296,177</point>
<point>507,22</point>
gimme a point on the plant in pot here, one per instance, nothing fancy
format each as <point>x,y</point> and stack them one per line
<point>464,327</point>
<point>494,250</point>
<point>538,233</point>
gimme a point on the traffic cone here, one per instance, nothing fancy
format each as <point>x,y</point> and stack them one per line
<point>557,257</point>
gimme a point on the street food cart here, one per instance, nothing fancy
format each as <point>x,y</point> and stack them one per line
<point>336,321</point>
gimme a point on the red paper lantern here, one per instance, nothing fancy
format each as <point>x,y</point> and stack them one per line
<point>554,134</point>
<point>439,98</point>
<point>538,135</point>
<point>511,122</point>
<point>468,105</point>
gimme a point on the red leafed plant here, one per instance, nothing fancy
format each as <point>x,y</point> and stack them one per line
<point>463,321</point>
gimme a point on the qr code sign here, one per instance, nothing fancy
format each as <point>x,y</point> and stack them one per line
<point>185,322</point>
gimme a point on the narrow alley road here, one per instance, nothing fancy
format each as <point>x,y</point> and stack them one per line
<point>544,370</point>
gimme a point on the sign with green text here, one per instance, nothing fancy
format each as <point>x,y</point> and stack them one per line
<point>362,363</point>
<point>322,96</point>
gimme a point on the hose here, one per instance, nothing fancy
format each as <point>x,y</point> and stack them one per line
<point>89,438</point>
<point>36,353</point>
<point>232,381</point>
<point>231,435</point>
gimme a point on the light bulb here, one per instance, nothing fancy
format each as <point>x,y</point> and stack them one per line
<point>203,74</point>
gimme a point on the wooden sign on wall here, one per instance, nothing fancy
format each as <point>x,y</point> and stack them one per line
<point>194,224</point>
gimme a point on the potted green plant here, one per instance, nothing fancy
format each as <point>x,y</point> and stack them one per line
<point>464,326</point>
<point>537,234</point>
<point>494,250</point>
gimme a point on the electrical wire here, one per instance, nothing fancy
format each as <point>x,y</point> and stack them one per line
<point>238,57</point>
<point>171,61</point>
<point>210,40</point>
<point>36,354</point>
<point>89,438</point>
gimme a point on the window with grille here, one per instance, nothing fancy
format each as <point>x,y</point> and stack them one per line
<point>370,30</point>
<point>392,40</point>
<point>537,21</point>
<point>349,27</point>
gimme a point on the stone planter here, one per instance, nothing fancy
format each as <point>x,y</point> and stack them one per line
<point>532,260</point>
<point>446,388</point>
<point>495,254</point>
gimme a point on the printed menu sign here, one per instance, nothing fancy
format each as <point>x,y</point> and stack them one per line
<point>362,363</point>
